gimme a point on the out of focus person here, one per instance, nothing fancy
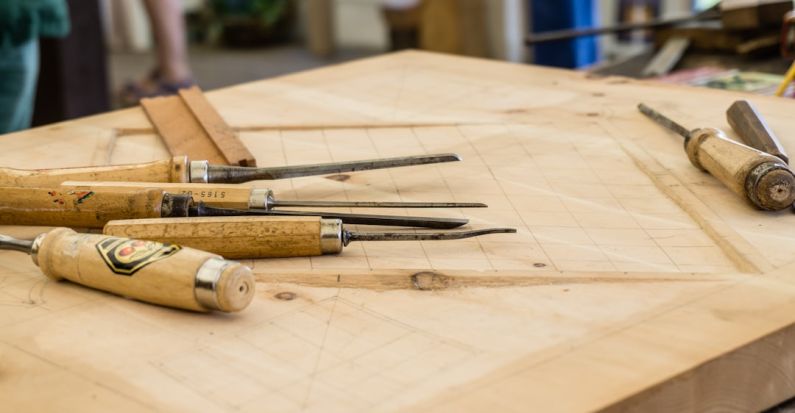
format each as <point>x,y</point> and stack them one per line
<point>22,23</point>
<point>172,71</point>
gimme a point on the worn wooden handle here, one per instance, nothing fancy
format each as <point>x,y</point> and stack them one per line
<point>172,170</point>
<point>240,237</point>
<point>753,130</point>
<point>74,208</point>
<point>220,195</point>
<point>764,179</point>
<point>163,274</point>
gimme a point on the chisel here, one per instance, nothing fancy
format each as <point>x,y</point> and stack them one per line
<point>149,271</point>
<point>238,196</point>
<point>753,130</point>
<point>93,209</point>
<point>268,237</point>
<point>762,178</point>
<point>179,169</point>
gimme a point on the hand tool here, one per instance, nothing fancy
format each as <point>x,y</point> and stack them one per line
<point>764,179</point>
<point>268,237</point>
<point>90,209</point>
<point>164,274</point>
<point>178,169</point>
<point>238,196</point>
<point>752,129</point>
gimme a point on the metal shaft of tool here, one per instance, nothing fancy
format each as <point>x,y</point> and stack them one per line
<point>203,210</point>
<point>349,236</point>
<point>238,174</point>
<point>13,244</point>
<point>367,204</point>
<point>664,121</point>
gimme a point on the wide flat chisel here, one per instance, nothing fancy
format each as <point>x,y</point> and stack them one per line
<point>239,196</point>
<point>269,237</point>
<point>179,169</point>
<point>93,209</point>
<point>149,271</point>
<point>763,179</point>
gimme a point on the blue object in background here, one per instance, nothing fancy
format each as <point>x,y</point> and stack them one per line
<point>548,15</point>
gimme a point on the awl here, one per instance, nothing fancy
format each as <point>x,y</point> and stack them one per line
<point>153,272</point>
<point>269,237</point>
<point>179,169</point>
<point>238,196</point>
<point>760,177</point>
<point>93,209</point>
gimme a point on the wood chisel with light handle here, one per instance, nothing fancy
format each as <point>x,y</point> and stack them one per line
<point>239,196</point>
<point>149,271</point>
<point>179,169</point>
<point>93,209</point>
<point>763,179</point>
<point>269,237</point>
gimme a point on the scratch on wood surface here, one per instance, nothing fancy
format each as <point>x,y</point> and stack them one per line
<point>423,280</point>
<point>265,128</point>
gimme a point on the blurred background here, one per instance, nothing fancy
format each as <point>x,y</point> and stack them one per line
<point>118,51</point>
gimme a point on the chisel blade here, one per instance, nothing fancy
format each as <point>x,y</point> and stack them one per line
<point>238,174</point>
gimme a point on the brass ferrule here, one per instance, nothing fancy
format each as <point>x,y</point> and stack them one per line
<point>331,236</point>
<point>199,172</point>
<point>206,285</point>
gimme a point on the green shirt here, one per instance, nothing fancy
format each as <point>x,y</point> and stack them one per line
<point>23,20</point>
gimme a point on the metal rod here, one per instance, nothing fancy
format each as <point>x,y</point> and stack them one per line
<point>551,36</point>
<point>13,244</point>
<point>369,204</point>
<point>238,174</point>
<point>664,121</point>
<point>420,236</point>
<point>202,210</point>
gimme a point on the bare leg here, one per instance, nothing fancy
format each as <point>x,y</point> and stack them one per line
<point>168,26</point>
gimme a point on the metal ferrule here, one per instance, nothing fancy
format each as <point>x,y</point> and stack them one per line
<point>261,199</point>
<point>199,172</point>
<point>34,249</point>
<point>206,286</point>
<point>331,236</point>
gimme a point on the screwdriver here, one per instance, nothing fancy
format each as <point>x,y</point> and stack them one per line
<point>93,209</point>
<point>179,169</point>
<point>268,237</point>
<point>764,179</point>
<point>153,272</point>
<point>237,196</point>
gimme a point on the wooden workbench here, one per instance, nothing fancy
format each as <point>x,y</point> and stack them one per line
<point>635,282</point>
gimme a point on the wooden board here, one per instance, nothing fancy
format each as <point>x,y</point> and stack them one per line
<point>635,283</point>
<point>189,125</point>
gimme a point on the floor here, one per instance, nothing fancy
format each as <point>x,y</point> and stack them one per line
<point>215,68</point>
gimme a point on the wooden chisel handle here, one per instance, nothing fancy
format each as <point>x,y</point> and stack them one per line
<point>764,179</point>
<point>163,274</point>
<point>172,170</point>
<point>71,208</point>
<point>240,237</point>
<point>220,195</point>
<point>753,130</point>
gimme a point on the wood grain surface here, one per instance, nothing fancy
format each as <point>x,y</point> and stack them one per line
<point>636,282</point>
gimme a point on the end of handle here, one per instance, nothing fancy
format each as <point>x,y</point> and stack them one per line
<point>223,285</point>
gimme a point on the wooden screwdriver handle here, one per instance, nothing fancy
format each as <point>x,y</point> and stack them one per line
<point>764,179</point>
<point>71,208</point>
<point>240,237</point>
<point>171,170</point>
<point>163,274</point>
<point>220,195</point>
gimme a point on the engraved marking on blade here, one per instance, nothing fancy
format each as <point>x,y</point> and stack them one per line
<point>126,257</point>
